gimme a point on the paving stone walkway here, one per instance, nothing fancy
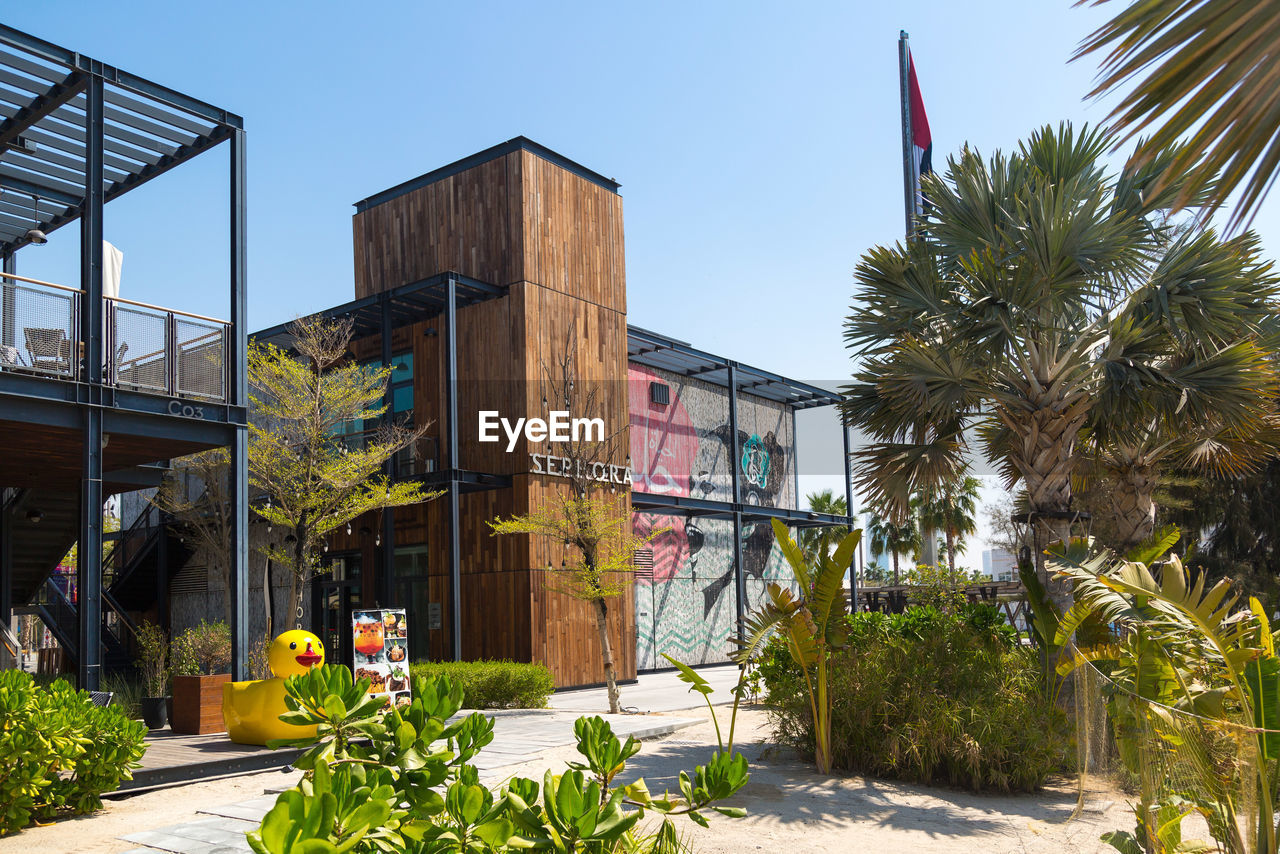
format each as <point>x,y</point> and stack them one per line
<point>518,737</point>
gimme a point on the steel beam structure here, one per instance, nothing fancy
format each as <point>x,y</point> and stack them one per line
<point>455,536</point>
<point>387,590</point>
<point>848,506</point>
<point>735,465</point>
<point>238,388</point>
<point>89,554</point>
<point>9,311</point>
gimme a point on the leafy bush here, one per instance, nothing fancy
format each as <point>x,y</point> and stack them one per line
<point>153,658</point>
<point>928,697</point>
<point>383,779</point>
<point>202,650</point>
<point>58,751</point>
<point>493,684</point>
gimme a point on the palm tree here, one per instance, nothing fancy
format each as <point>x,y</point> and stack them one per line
<point>887,538</point>
<point>952,509</point>
<point>1043,296</point>
<point>1208,70</point>
<point>817,541</point>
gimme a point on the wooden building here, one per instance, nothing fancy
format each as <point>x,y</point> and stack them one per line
<point>486,272</point>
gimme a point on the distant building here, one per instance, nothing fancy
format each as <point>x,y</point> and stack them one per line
<point>999,565</point>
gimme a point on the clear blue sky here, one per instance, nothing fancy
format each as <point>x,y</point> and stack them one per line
<point>758,145</point>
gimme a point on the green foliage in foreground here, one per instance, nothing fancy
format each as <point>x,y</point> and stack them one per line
<point>493,684</point>
<point>928,697</point>
<point>58,751</point>
<point>401,780</point>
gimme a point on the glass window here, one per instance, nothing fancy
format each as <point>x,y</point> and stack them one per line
<point>402,399</point>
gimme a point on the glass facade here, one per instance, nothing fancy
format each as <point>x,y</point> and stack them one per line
<point>414,591</point>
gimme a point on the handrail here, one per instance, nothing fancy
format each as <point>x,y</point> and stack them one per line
<point>117,553</point>
<point>125,300</point>
<point>39,282</point>
<point>148,305</point>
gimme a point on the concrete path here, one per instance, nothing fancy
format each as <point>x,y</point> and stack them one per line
<point>518,737</point>
<point>653,692</point>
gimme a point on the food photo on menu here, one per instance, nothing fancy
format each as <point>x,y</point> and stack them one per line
<point>368,637</point>
<point>380,641</point>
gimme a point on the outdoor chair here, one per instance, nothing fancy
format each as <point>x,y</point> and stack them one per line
<point>50,350</point>
<point>101,698</point>
<point>11,357</point>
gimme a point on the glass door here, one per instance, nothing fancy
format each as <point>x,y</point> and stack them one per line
<point>414,592</point>
<point>336,595</point>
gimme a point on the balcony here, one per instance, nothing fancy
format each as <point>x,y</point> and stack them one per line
<point>147,348</point>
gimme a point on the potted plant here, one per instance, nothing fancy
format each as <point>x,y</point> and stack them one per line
<point>153,664</point>
<point>201,657</point>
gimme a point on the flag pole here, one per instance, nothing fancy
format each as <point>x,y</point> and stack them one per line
<point>908,152</point>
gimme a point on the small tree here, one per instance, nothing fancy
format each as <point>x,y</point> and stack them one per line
<point>599,531</point>
<point>196,495</point>
<point>595,526</point>
<point>313,480</point>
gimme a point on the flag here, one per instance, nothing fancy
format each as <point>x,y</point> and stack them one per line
<point>921,139</point>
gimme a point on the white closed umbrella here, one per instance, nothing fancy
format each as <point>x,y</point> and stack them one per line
<point>112,264</point>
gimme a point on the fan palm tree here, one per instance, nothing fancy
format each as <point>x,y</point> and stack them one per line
<point>887,538</point>
<point>1205,70</point>
<point>1044,296</point>
<point>952,510</point>
<point>817,541</point>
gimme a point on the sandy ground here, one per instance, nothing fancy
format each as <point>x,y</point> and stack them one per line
<point>790,808</point>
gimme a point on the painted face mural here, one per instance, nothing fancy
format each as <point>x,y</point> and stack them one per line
<point>663,447</point>
<point>685,448</point>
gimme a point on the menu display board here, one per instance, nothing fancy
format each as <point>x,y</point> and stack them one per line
<point>380,639</point>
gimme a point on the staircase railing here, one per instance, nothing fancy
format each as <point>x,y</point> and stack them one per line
<point>134,540</point>
<point>62,618</point>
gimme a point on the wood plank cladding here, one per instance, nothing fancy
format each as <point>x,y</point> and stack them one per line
<point>552,233</point>
<point>516,218</point>
<point>468,223</point>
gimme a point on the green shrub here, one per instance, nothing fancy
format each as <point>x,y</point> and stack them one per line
<point>58,751</point>
<point>202,650</point>
<point>928,697</point>
<point>493,684</point>
<point>378,779</point>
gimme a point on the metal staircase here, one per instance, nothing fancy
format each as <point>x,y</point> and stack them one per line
<point>131,570</point>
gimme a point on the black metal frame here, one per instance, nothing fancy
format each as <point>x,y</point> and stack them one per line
<point>76,133</point>
<point>668,354</point>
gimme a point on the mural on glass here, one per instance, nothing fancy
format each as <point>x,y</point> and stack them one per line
<point>686,607</point>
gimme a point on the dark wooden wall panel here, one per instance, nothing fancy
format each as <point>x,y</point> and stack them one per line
<point>573,239</point>
<point>462,223</point>
<point>556,239</point>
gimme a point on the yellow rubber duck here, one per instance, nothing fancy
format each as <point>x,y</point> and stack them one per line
<point>252,710</point>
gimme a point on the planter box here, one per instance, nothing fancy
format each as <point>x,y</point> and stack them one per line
<point>197,704</point>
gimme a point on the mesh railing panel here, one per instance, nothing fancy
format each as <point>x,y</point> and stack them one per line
<point>201,362</point>
<point>1191,777</point>
<point>140,353</point>
<point>37,329</point>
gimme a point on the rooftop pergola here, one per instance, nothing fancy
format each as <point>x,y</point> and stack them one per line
<point>147,129</point>
<point>75,134</point>
<point>669,354</point>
